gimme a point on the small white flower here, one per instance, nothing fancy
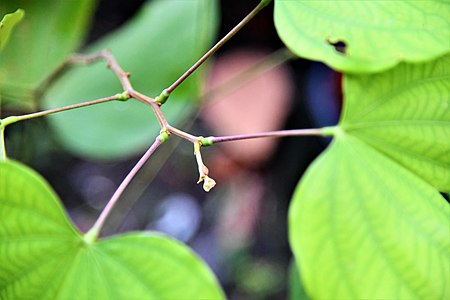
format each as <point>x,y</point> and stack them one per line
<point>208,183</point>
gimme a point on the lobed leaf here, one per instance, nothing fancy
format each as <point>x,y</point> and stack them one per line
<point>40,45</point>
<point>157,46</point>
<point>44,257</point>
<point>364,36</point>
<point>367,220</point>
<point>7,24</point>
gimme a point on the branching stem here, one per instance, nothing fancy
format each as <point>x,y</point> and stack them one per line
<point>155,104</point>
<point>111,63</point>
<point>124,78</point>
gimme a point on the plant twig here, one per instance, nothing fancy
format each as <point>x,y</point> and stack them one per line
<point>266,64</point>
<point>208,141</point>
<point>93,233</point>
<point>182,134</point>
<point>13,119</point>
<point>166,92</point>
<point>124,78</point>
<point>156,109</point>
<point>111,63</point>
<point>85,59</point>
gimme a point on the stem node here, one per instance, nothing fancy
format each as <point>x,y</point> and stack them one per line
<point>208,141</point>
<point>163,135</point>
<point>162,98</point>
<point>122,96</point>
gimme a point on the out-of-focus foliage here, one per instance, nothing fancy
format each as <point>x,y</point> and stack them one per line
<point>45,257</point>
<point>296,289</point>
<point>157,46</point>
<point>364,36</point>
<point>367,220</point>
<point>50,31</point>
<point>7,24</point>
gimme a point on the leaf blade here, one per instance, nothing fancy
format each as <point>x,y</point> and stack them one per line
<point>359,239</point>
<point>368,210</point>
<point>405,114</point>
<point>369,36</point>
<point>54,262</point>
<point>7,24</point>
<point>40,45</point>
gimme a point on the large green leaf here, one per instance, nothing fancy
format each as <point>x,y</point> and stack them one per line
<point>7,24</point>
<point>367,220</point>
<point>405,114</point>
<point>376,35</point>
<point>157,46</point>
<point>51,30</point>
<point>44,257</point>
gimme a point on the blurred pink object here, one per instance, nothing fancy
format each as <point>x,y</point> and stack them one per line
<point>258,105</point>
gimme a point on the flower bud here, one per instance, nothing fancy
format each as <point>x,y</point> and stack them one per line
<point>208,183</point>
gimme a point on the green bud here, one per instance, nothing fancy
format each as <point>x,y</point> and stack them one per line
<point>208,141</point>
<point>163,136</point>
<point>122,96</point>
<point>162,98</point>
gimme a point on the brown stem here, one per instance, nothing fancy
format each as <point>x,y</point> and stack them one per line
<point>93,233</point>
<point>266,64</point>
<point>14,119</point>
<point>111,63</point>
<point>156,109</point>
<point>216,47</point>
<point>281,133</point>
<point>182,134</point>
<point>124,80</point>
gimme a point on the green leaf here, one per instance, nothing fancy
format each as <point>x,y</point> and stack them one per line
<point>364,36</point>
<point>367,220</point>
<point>363,227</point>
<point>7,24</point>
<point>51,31</point>
<point>157,46</point>
<point>405,114</point>
<point>44,257</point>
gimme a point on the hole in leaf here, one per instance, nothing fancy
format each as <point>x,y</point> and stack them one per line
<point>446,196</point>
<point>339,46</point>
